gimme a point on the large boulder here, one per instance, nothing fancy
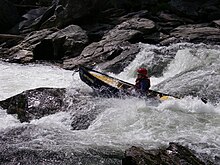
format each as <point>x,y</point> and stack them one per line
<point>116,43</point>
<point>67,42</point>
<point>34,104</point>
<point>49,44</point>
<point>196,33</point>
<point>23,52</point>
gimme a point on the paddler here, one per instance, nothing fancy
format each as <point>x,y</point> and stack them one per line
<point>142,83</point>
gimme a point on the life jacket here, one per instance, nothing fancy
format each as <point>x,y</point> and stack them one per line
<point>138,84</point>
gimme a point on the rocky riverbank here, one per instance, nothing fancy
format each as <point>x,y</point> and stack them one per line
<point>101,32</point>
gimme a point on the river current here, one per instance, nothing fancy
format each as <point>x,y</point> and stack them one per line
<point>184,68</point>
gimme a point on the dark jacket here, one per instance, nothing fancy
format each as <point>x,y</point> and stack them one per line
<point>142,85</point>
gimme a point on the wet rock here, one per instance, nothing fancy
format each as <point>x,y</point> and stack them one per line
<point>117,64</point>
<point>83,107</point>
<point>175,154</point>
<point>49,44</point>
<point>25,49</point>
<point>195,33</point>
<point>167,21</point>
<point>34,104</point>
<point>40,102</point>
<point>112,45</point>
<point>67,42</point>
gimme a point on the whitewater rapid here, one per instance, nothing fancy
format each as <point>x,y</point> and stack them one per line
<point>129,121</point>
<point>15,78</point>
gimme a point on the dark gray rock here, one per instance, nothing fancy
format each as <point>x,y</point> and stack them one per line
<point>194,33</point>
<point>113,43</point>
<point>40,102</point>
<point>30,17</point>
<point>175,154</point>
<point>67,42</point>
<point>216,23</point>
<point>197,10</point>
<point>117,64</point>
<point>34,104</point>
<point>49,44</point>
<point>23,52</point>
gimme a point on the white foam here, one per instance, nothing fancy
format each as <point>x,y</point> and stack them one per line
<point>7,120</point>
<point>189,105</point>
<point>15,78</point>
<point>60,120</point>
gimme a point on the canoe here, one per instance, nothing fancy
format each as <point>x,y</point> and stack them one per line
<point>106,85</point>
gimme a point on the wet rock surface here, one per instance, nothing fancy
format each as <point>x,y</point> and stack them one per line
<point>175,154</point>
<point>34,104</point>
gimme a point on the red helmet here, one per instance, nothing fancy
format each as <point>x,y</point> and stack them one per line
<point>142,71</point>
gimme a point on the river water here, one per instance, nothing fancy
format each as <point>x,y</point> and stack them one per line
<point>122,123</point>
